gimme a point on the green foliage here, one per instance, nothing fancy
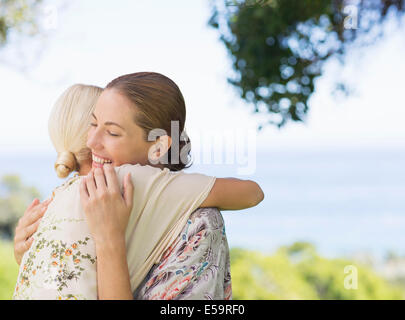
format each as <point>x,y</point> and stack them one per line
<point>298,272</point>
<point>14,199</point>
<point>8,270</point>
<point>20,16</point>
<point>279,47</point>
<point>293,272</point>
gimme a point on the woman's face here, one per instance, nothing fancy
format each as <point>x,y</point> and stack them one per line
<point>114,136</point>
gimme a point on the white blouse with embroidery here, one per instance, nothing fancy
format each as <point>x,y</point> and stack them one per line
<point>61,262</point>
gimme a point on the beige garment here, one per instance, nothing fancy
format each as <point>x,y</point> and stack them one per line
<point>163,201</point>
<point>60,263</point>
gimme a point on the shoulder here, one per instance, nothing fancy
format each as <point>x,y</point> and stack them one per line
<point>66,184</point>
<point>147,170</point>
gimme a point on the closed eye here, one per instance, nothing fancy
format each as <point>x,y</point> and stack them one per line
<point>109,132</point>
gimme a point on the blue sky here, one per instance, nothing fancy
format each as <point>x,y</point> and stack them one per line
<point>95,41</point>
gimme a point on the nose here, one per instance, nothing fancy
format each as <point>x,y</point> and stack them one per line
<point>94,140</point>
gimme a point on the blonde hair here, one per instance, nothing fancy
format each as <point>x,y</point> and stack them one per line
<point>68,125</point>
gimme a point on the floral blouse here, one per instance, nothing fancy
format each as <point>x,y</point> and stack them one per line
<point>59,265</point>
<point>196,266</point>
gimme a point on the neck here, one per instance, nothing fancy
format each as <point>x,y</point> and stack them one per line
<point>85,168</point>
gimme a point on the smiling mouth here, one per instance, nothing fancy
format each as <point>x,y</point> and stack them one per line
<point>99,162</point>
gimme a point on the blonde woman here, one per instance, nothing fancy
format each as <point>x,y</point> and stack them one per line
<point>163,202</point>
<point>68,127</point>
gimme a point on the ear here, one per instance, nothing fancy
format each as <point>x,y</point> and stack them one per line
<point>160,148</point>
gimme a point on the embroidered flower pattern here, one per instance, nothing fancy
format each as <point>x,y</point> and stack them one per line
<point>64,264</point>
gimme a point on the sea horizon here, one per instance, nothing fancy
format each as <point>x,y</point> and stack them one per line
<point>344,201</point>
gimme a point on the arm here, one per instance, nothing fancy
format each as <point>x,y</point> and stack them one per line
<point>233,194</point>
<point>107,213</point>
<point>113,280</point>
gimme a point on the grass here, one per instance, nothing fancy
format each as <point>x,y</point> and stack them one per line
<point>8,270</point>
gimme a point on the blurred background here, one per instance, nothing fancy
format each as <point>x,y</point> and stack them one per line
<point>302,96</point>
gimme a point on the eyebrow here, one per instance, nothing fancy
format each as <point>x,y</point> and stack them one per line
<point>109,123</point>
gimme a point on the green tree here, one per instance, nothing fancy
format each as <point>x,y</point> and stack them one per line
<point>278,47</point>
<point>20,17</point>
<point>298,272</point>
<point>14,199</point>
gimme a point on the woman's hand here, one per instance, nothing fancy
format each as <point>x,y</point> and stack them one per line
<point>107,210</point>
<point>27,225</point>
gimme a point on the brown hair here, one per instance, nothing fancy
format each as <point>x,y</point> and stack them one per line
<point>158,101</point>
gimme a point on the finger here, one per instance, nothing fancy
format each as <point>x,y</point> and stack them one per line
<point>84,194</point>
<point>33,203</point>
<point>37,206</point>
<point>99,178</point>
<point>30,230</point>
<point>25,245</point>
<point>90,184</point>
<point>34,215</point>
<point>28,243</point>
<point>22,232</point>
<point>47,201</point>
<point>128,191</point>
<point>20,235</point>
<point>30,216</point>
<point>112,179</point>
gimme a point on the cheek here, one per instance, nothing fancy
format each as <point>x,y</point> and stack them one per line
<point>120,151</point>
<point>138,153</point>
<point>117,151</point>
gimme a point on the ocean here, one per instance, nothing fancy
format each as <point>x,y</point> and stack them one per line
<point>344,201</point>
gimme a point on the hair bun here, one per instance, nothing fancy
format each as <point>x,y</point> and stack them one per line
<point>65,164</point>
